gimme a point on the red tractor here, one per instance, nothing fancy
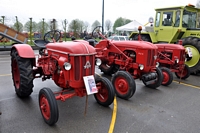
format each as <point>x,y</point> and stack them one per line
<point>66,64</point>
<point>171,58</point>
<point>128,60</point>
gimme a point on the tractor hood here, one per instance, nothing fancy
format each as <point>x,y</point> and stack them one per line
<point>75,47</point>
<point>135,44</point>
<point>170,46</point>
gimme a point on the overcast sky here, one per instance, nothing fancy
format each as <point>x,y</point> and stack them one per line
<point>85,10</point>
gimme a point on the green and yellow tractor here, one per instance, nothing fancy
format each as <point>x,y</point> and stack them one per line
<point>173,24</point>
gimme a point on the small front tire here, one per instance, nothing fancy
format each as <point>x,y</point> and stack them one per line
<point>183,74</point>
<point>106,93</point>
<point>124,84</point>
<point>48,106</point>
<point>167,76</point>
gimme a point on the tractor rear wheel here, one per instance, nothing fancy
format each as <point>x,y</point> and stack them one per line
<point>167,76</point>
<point>159,79</point>
<point>184,74</point>
<point>193,62</point>
<point>124,84</point>
<point>48,106</point>
<point>22,74</point>
<point>106,93</point>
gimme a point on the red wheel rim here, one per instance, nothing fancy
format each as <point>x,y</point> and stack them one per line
<point>102,94</point>
<point>16,75</point>
<point>182,73</point>
<point>165,77</point>
<point>121,85</point>
<point>44,107</point>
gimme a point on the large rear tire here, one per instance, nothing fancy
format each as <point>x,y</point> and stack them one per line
<point>124,84</point>
<point>106,93</point>
<point>48,106</point>
<point>194,44</point>
<point>22,74</point>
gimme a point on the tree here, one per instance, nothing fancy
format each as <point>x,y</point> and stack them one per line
<point>18,26</point>
<point>75,27</point>
<point>28,24</point>
<point>95,24</point>
<point>42,27</point>
<point>108,25</point>
<point>86,26</point>
<point>119,22</point>
<point>2,19</point>
<point>64,24</point>
<point>53,24</point>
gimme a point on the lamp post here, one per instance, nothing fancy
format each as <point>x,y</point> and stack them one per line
<point>103,17</point>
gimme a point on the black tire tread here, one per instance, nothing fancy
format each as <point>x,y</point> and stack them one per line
<point>53,105</point>
<point>130,79</point>
<point>111,91</point>
<point>26,75</point>
<point>195,42</point>
<point>170,76</point>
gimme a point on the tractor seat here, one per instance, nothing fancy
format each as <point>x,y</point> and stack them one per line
<point>41,43</point>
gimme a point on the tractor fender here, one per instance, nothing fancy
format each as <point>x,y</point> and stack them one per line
<point>24,50</point>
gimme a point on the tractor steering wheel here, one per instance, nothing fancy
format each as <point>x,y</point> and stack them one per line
<point>97,30</point>
<point>52,36</point>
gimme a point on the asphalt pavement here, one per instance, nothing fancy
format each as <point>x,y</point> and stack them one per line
<point>171,109</point>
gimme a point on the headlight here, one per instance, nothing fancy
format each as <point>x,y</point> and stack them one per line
<point>141,67</point>
<point>67,66</point>
<point>176,60</point>
<point>157,64</point>
<point>98,62</point>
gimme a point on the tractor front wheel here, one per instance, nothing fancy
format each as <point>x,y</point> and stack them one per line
<point>22,74</point>
<point>167,76</point>
<point>183,74</point>
<point>124,84</point>
<point>106,93</point>
<point>48,106</point>
<point>159,79</point>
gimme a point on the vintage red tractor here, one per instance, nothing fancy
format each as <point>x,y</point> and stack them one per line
<point>171,58</point>
<point>128,60</point>
<point>66,64</point>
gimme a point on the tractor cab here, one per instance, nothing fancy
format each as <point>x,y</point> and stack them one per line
<point>174,23</point>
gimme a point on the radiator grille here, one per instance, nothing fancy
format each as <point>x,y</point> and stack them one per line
<point>150,57</point>
<point>182,56</point>
<point>80,62</point>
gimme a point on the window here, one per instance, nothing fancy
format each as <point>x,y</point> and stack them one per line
<point>167,18</point>
<point>157,19</point>
<point>189,19</point>
<point>177,19</point>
